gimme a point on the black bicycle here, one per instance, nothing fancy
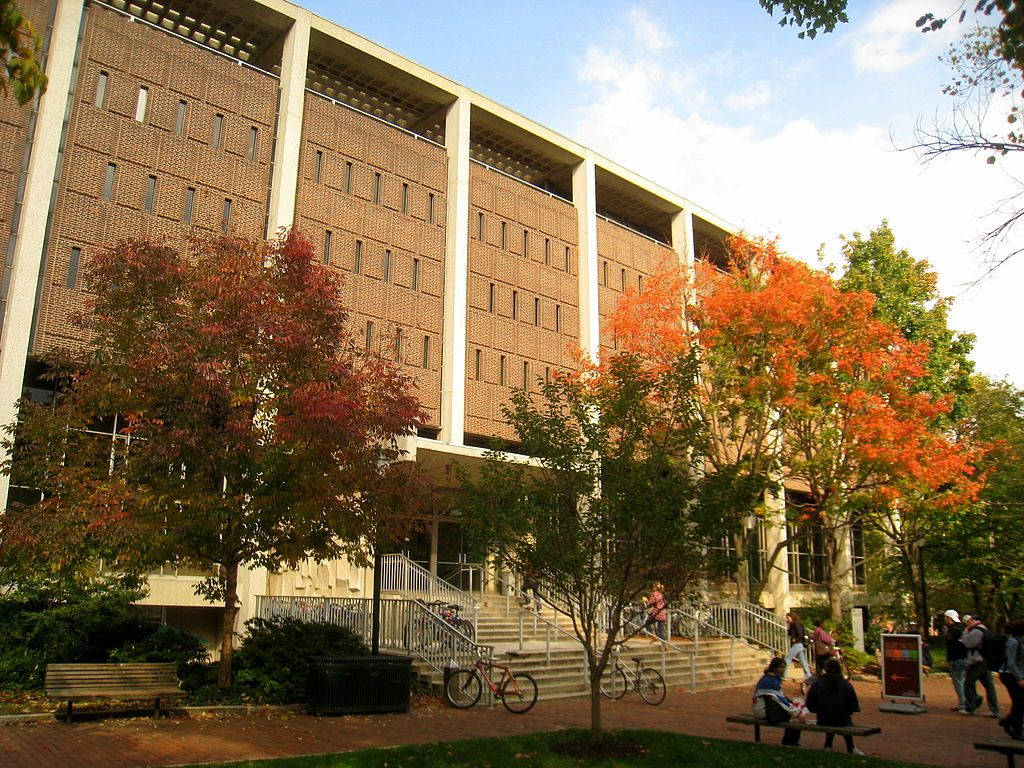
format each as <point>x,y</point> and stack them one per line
<point>646,681</point>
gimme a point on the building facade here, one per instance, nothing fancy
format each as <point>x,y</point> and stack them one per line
<point>480,246</point>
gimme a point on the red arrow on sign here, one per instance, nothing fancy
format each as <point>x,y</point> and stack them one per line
<point>895,678</point>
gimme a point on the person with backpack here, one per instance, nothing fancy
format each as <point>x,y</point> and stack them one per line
<point>1011,673</point>
<point>981,651</point>
<point>834,701</point>
<point>956,655</point>
<point>824,646</point>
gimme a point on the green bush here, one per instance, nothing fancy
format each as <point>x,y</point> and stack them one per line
<point>273,662</point>
<point>60,623</point>
<point>167,644</point>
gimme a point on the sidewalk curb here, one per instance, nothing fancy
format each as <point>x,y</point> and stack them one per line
<point>214,709</point>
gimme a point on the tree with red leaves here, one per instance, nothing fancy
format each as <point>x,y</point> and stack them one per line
<point>254,429</point>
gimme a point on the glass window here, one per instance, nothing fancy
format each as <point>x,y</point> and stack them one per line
<point>179,120</point>
<point>536,311</point>
<point>108,181</point>
<point>190,201</point>
<point>378,186</point>
<point>504,236</point>
<point>218,127</point>
<point>150,193</point>
<point>430,208</point>
<point>398,344</point>
<point>415,274</point>
<point>558,318</point>
<point>141,103</point>
<point>358,265</point>
<point>526,375</point>
<point>515,304</point>
<point>567,258</point>
<point>327,246</point>
<point>622,279</point>
<point>478,365</point>
<point>318,165</point>
<point>101,90</point>
<point>387,265</point>
<point>405,198</point>
<point>426,352</point>
<point>490,298</point>
<point>526,244</point>
<point>348,178</point>
<point>547,251</point>
<point>480,226</point>
<point>76,256</point>
<point>254,142</point>
<point>225,223</point>
<point>501,371</point>
<point>369,333</point>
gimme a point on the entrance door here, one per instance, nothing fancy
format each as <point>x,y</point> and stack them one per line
<point>458,562</point>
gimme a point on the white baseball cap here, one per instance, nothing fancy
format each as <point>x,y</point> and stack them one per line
<point>952,614</point>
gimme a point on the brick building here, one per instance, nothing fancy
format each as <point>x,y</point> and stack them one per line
<point>482,245</point>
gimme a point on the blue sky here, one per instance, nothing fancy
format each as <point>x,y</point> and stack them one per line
<point>716,101</point>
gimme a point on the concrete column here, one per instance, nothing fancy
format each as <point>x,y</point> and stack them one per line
<point>433,545</point>
<point>776,592</point>
<point>456,272</point>
<point>288,132</point>
<point>28,254</point>
<point>584,197</point>
<point>682,238</point>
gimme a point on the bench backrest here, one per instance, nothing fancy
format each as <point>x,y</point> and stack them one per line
<point>71,677</point>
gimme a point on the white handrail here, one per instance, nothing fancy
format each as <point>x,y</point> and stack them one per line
<point>405,625</point>
<point>402,575</point>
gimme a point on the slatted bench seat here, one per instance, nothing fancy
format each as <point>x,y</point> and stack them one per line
<point>1007,747</point>
<point>841,730</point>
<point>74,682</point>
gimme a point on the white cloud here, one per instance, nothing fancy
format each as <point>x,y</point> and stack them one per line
<point>646,32</point>
<point>889,41</point>
<point>756,95</point>
<point>809,185</point>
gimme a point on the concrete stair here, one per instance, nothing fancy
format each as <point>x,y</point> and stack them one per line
<point>557,662</point>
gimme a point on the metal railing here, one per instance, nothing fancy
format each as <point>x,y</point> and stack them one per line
<point>405,625</point>
<point>400,574</point>
<point>749,622</point>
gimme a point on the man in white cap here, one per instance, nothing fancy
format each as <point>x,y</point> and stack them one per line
<point>956,655</point>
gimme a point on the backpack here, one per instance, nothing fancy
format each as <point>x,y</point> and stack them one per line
<point>993,649</point>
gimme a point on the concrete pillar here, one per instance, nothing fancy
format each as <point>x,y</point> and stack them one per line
<point>28,253</point>
<point>682,238</point>
<point>456,272</point>
<point>584,197</point>
<point>776,593</point>
<point>433,545</point>
<point>288,132</point>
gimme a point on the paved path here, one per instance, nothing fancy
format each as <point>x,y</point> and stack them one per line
<point>939,737</point>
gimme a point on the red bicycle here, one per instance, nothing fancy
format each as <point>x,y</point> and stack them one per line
<point>516,690</point>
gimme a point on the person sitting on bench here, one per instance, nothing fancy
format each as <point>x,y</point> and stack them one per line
<point>771,704</point>
<point>834,701</point>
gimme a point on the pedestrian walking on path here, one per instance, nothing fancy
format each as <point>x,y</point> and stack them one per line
<point>1011,673</point>
<point>797,639</point>
<point>956,655</point>
<point>975,637</point>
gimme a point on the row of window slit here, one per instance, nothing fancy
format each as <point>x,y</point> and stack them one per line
<point>378,187</point>
<point>142,103</point>
<point>480,229</point>
<point>478,365</point>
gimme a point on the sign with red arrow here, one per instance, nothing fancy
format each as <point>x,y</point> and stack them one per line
<point>902,675</point>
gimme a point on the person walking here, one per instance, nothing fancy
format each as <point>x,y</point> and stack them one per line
<point>834,701</point>
<point>956,655</point>
<point>823,645</point>
<point>797,637</point>
<point>771,704</point>
<point>973,639</point>
<point>1011,673</point>
<point>529,585</point>
<point>657,614</point>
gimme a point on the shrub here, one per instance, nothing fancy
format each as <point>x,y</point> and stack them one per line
<point>167,644</point>
<point>58,623</point>
<point>273,662</point>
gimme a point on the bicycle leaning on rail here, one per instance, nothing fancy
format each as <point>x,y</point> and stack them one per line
<point>517,690</point>
<point>646,681</point>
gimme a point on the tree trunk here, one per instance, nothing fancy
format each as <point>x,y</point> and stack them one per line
<point>833,578</point>
<point>596,730</point>
<point>227,633</point>
<point>742,573</point>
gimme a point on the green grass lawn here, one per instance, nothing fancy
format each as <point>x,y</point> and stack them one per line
<point>663,751</point>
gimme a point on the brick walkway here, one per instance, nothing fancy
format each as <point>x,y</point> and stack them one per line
<point>939,737</point>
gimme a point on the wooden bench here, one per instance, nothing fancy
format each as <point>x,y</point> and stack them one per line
<point>841,730</point>
<point>1007,747</point>
<point>74,682</point>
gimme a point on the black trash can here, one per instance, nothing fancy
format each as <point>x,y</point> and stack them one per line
<point>344,685</point>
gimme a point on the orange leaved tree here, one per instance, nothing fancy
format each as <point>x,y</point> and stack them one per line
<point>798,382</point>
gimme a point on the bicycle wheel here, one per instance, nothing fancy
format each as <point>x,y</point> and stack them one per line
<point>463,689</point>
<point>465,626</point>
<point>615,686</point>
<point>519,693</point>
<point>651,686</point>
